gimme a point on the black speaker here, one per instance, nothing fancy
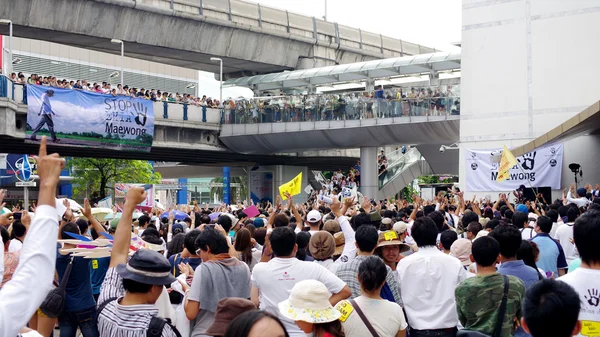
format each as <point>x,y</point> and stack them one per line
<point>529,193</point>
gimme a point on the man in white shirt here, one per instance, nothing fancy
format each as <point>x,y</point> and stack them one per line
<point>19,229</point>
<point>564,235</point>
<point>556,221</point>
<point>313,218</point>
<point>586,279</point>
<point>580,200</point>
<point>273,281</point>
<point>35,271</point>
<point>427,280</point>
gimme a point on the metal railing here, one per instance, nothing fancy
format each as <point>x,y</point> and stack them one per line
<point>400,161</point>
<point>344,106</point>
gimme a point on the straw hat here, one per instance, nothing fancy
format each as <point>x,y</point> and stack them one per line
<point>227,309</point>
<point>321,245</point>
<point>390,238</point>
<point>340,241</point>
<point>309,302</point>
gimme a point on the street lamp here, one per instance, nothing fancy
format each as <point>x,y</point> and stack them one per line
<point>10,34</point>
<point>122,56</point>
<point>17,60</point>
<point>191,86</point>
<point>217,59</point>
<point>113,75</point>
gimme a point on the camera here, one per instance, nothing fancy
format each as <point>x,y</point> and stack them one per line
<point>442,148</point>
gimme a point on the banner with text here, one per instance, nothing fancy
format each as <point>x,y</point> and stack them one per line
<point>87,119</point>
<point>121,191</point>
<point>540,168</point>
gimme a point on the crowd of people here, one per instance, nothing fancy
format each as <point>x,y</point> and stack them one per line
<point>342,268</point>
<point>380,103</point>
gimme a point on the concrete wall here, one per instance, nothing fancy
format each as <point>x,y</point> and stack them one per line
<point>527,66</point>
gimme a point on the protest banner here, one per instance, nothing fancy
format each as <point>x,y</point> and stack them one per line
<point>293,187</point>
<point>88,119</point>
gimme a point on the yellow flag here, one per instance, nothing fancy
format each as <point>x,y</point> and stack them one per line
<point>508,160</point>
<point>292,187</point>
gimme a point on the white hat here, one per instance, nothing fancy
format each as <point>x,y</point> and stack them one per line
<point>400,227</point>
<point>313,216</point>
<point>309,302</point>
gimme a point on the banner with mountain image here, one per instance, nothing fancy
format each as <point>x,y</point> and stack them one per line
<point>87,119</point>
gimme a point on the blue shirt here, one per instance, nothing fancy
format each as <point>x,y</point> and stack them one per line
<point>552,256</point>
<point>79,286</point>
<point>176,259</point>
<point>99,268</point>
<point>519,269</point>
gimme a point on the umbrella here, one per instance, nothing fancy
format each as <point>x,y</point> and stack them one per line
<point>179,215</point>
<point>101,213</point>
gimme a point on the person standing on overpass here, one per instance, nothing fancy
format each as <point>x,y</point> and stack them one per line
<point>46,112</point>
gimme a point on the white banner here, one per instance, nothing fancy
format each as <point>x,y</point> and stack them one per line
<point>540,168</point>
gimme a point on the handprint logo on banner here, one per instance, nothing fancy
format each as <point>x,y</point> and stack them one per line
<point>141,110</point>
<point>528,161</point>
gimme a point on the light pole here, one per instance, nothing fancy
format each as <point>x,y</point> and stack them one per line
<point>10,53</point>
<point>217,59</point>
<point>122,57</point>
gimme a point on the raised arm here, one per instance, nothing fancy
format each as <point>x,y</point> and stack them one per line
<point>35,271</point>
<point>87,211</point>
<point>120,249</point>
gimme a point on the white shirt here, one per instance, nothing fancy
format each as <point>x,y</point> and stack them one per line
<point>586,283</point>
<point>329,264</point>
<point>276,278</point>
<point>349,251</point>
<point>527,233</point>
<point>580,202</point>
<point>563,235</point>
<point>428,279</point>
<point>14,246</point>
<point>34,273</point>
<point>386,317</point>
<point>555,227</point>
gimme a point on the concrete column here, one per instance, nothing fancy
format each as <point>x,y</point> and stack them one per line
<point>369,185</point>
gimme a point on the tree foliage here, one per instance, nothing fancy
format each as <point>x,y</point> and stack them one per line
<point>237,193</point>
<point>96,176</point>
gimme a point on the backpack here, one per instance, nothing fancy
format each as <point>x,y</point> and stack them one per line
<point>156,326</point>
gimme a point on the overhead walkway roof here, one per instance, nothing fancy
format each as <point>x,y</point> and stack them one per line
<point>361,71</point>
<point>585,122</point>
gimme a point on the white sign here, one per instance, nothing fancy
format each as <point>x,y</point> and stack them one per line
<point>3,157</point>
<point>106,202</point>
<point>539,168</point>
<point>25,184</point>
<point>308,189</point>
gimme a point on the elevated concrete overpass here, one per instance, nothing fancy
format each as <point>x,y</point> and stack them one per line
<point>251,39</point>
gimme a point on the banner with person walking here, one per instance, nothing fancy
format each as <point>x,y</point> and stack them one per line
<point>541,167</point>
<point>87,119</point>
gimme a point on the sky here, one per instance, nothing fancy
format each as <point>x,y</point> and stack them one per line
<point>431,23</point>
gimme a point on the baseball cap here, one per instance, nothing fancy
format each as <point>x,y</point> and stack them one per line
<point>522,208</point>
<point>400,227</point>
<point>461,249</point>
<point>313,216</point>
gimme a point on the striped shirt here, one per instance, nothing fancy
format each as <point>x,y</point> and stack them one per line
<point>117,320</point>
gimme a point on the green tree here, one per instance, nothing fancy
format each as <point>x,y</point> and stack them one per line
<point>238,193</point>
<point>99,174</point>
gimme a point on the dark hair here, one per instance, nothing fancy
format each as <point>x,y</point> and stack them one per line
<point>209,238</point>
<point>372,273</point>
<point>551,308</point>
<point>509,238</point>
<point>360,220</point>
<point>283,240</point>
<point>427,210</point>
<point>204,219</point>
<point>572,213</point>
<point>438,218</point>
<point>243,244</point>
<point>69,227</point>
<point>225,222</point>
<point>175,246</point>
<point>143,220</point>
<point>553,215</point>
<point>281,220</point>
<point>447,238</point>
<point>519,219</point>
<point>135,287</point>
<point>527,254</point>
<point>5,236</point>
<point>190,241</point>
<point>260,235</point>
<point>18,229</point>
<point>241,215</point>
<point>302,239</point>
<point>467,219</point>
<point>151,235</point>
<point>82,224</point>
<point>508,214</point>
<point>241,325</point>
<point>333,328</point>
<point>474,227</point>
<point>492,224</point>
<point>586,233</point>
<point>545,224</point>
<point>366,238</point>
<point>562,211</point>
<point>488,213</point>
<point>424,232</point>
<point>485,251</point>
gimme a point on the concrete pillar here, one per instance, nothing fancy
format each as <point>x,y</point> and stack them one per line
<point>369,185</point>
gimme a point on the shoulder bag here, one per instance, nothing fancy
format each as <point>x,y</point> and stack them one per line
<point>501,313</point>
<point>54,303</point>
<point>364,318</point>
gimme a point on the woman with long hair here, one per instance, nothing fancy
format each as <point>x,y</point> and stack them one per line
<point>308,306</point>
<point>387,318</point>
<point>527,253</point>
<point>175,246</point>
<point>243,247</point>
<point>256,324</point>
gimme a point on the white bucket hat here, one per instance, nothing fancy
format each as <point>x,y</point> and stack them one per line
<point>309,302</point>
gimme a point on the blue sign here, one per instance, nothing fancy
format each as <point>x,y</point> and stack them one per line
<point>226,185</point>
<point>88,119</point>
<point>25,170</point>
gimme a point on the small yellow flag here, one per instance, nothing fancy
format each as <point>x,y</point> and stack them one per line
<point>508,160</point>
<point>293,187</point>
